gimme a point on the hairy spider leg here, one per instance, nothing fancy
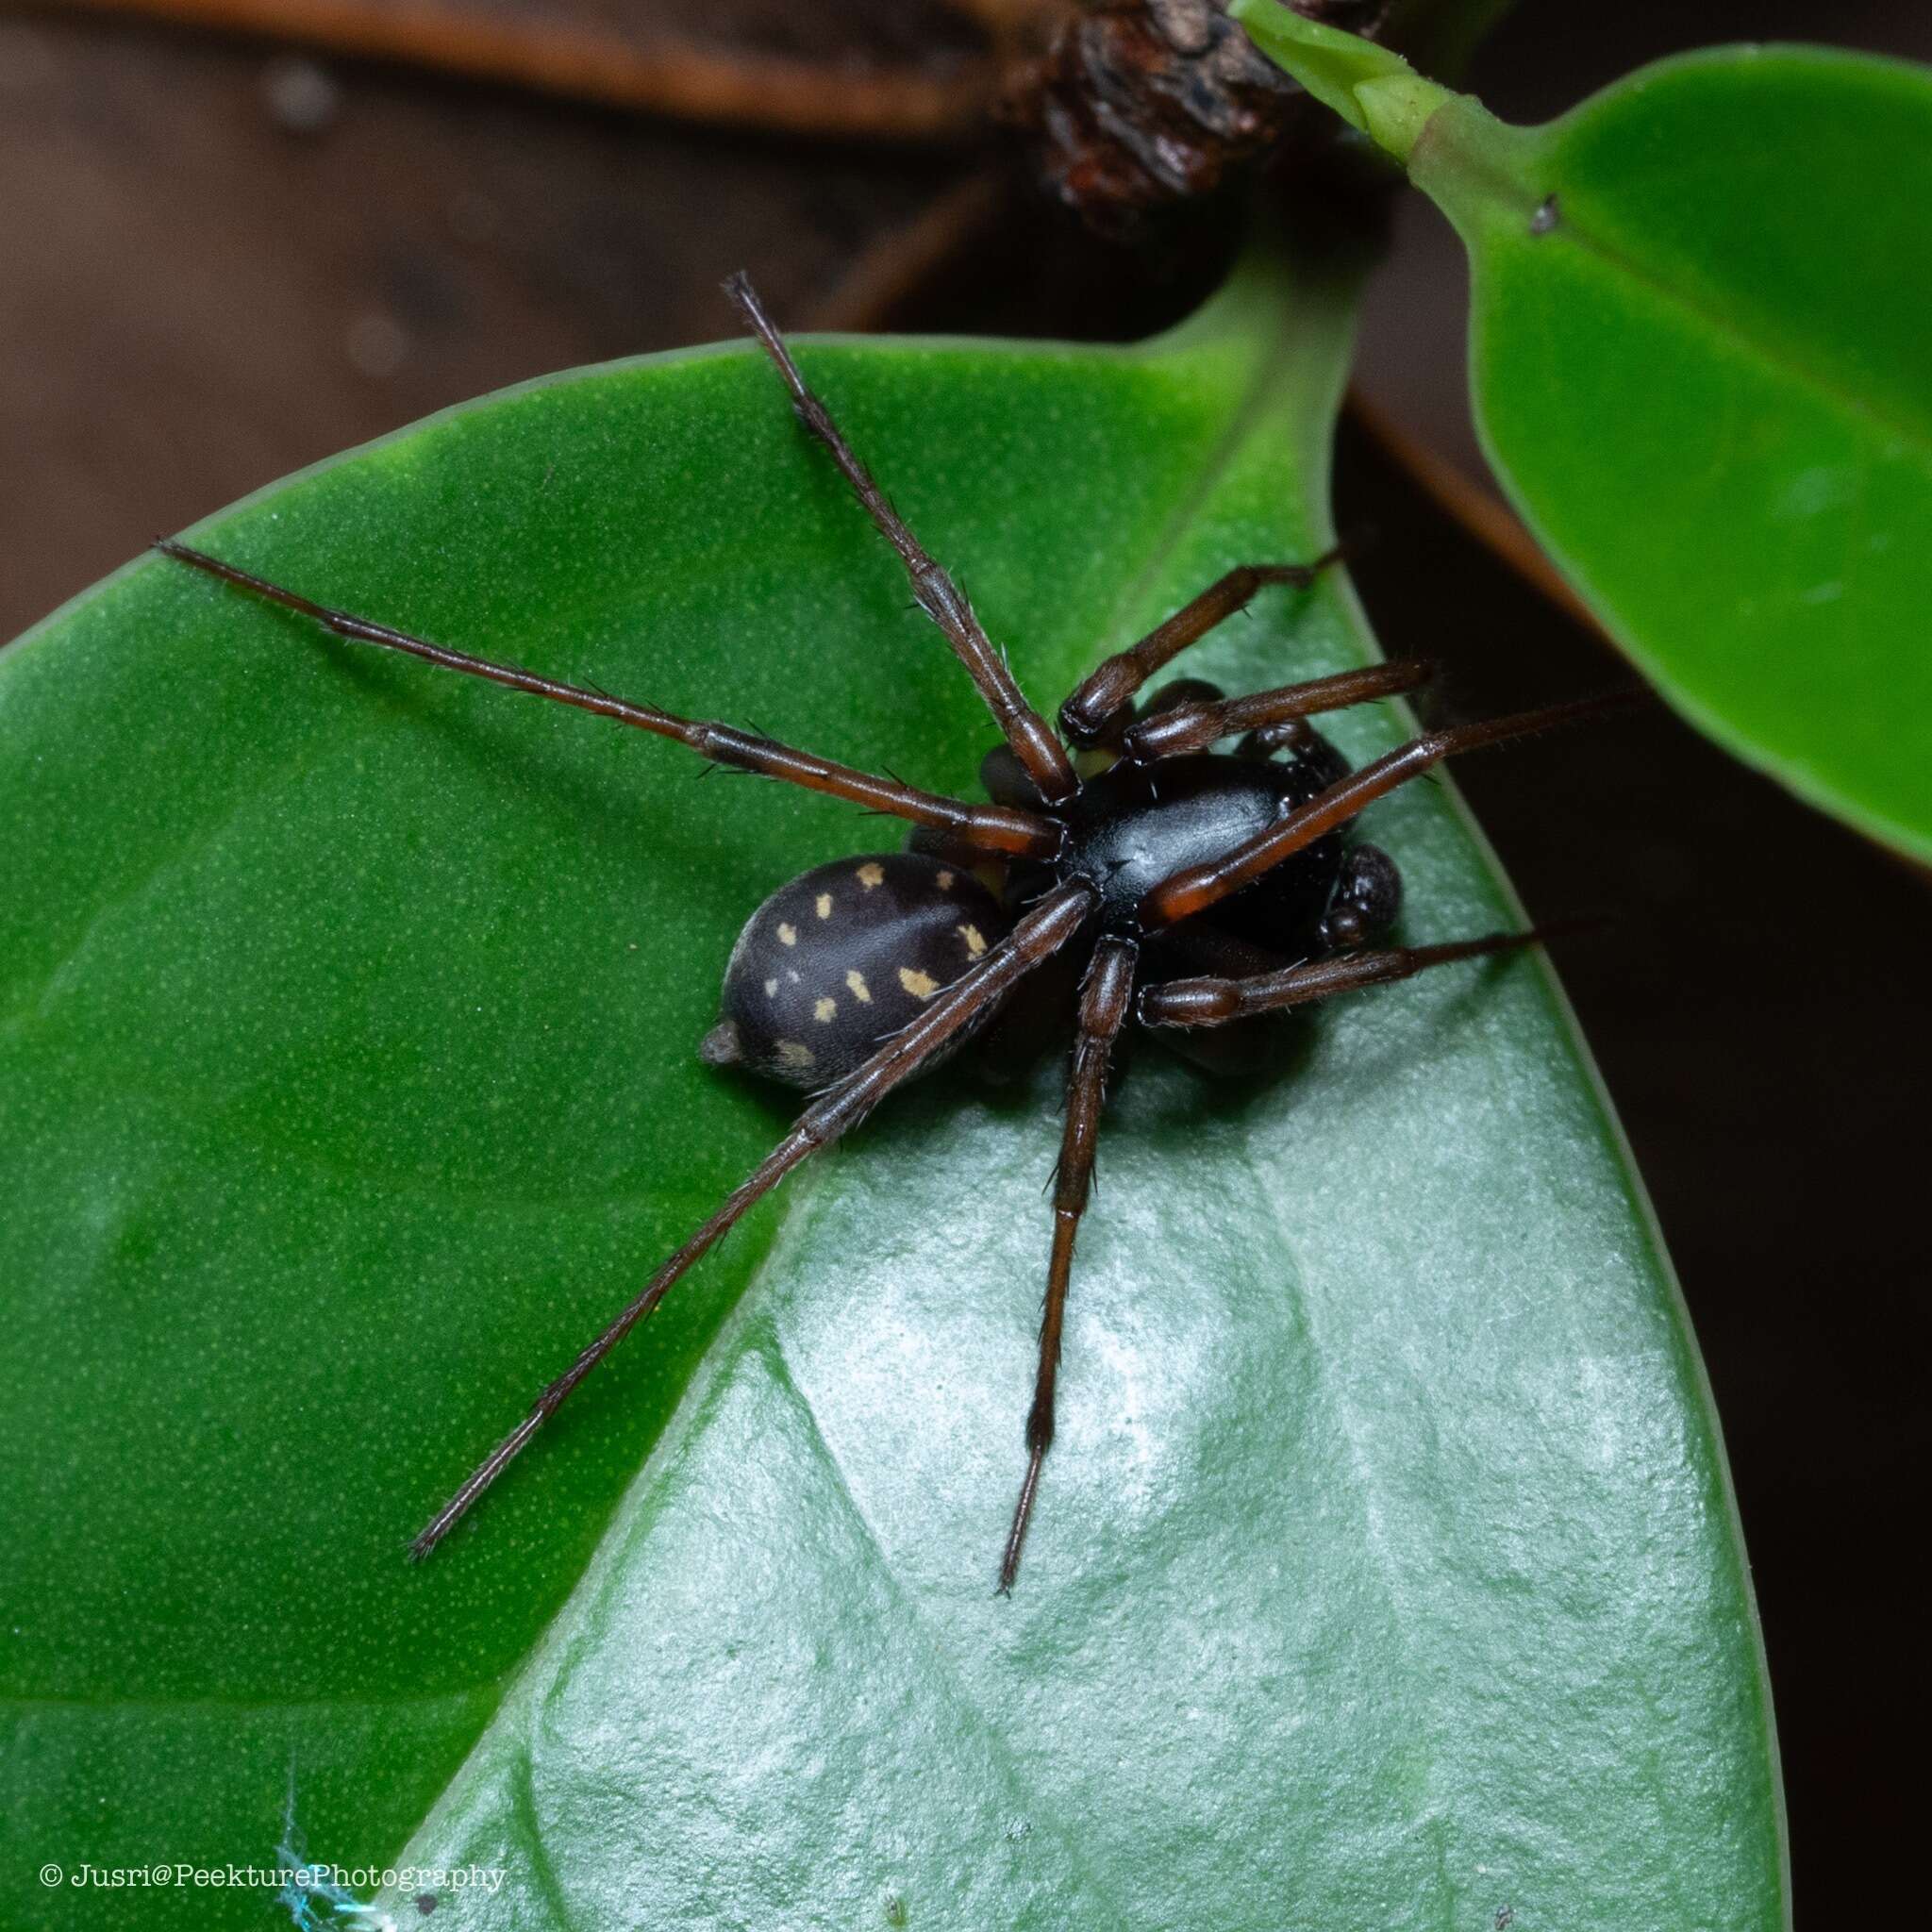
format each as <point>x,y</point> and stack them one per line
<point>1040,753</point>
<point>1099,701</point>
<point>1041,932</point>
<point>1195,725</point>
<point>1208,1001</point>
<point>1106,997</point>
<point>1195,887</point>
<point>999,828</point>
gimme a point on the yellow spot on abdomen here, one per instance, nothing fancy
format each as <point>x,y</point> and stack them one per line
<point>794,1055</point>
<point>921,985</point>
<point>824,1010</point>
<point>824,905</point>
<point>976,940</point>
<point>860,991</point>
<point>771,989</point>
<point>945,882</point>
<point>788,935</point>
<point>871,874</point>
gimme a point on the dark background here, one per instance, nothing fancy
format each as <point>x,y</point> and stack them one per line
<point>199,298</point>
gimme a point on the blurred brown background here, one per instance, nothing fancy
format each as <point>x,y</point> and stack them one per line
<point>227,258</point>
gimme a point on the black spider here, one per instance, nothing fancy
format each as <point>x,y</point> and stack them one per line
<point>1206,890</point>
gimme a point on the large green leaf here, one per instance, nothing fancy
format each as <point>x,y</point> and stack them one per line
<point>1386,1572</point>
<point>1699,367</point>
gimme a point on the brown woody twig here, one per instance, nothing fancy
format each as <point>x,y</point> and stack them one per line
<point>584,62</point>
<point>1485,517</point>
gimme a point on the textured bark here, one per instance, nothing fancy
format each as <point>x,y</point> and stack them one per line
<point>1140,108</point>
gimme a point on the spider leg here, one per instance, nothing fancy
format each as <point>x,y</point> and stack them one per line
<point>1034,744</point>
<point>1195,887</point>
<point>1106,997</point>
<point>1041,932</point>
<point>1245,1054</point>
<point>1097,701</point>
<point>1194,727</point>
<point>1213,1002</point>
<point>985,828</point>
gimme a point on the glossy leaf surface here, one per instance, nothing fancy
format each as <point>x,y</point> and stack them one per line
<point>1386,1572</point>
<point>1698,364</point>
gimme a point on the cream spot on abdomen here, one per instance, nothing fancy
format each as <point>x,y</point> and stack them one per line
<point>921,985</point>
<point>860,991</point>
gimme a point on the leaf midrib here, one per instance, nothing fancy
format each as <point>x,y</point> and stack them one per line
<point>1781,357</point>
<point>957,1690</point>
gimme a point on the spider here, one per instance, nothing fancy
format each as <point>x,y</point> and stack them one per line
<point>1205,890</point>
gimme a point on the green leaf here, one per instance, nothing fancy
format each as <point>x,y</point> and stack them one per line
<point>1698,364</point>
<point>1387,1570</point>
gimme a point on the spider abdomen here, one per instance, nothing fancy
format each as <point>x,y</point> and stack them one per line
<point>843,957</point>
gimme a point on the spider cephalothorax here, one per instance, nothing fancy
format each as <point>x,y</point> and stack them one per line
<point>1208,892</point>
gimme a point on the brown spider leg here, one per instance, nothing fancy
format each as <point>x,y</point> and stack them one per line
<point>1041,754</point>
<point>1197,726</point>
<point>1098,700</point>
<point>1106,997</point>
<point>1195,887</point>
<point>1210,1002</point>
<point>1040,933</point>
<point>985,828</point>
